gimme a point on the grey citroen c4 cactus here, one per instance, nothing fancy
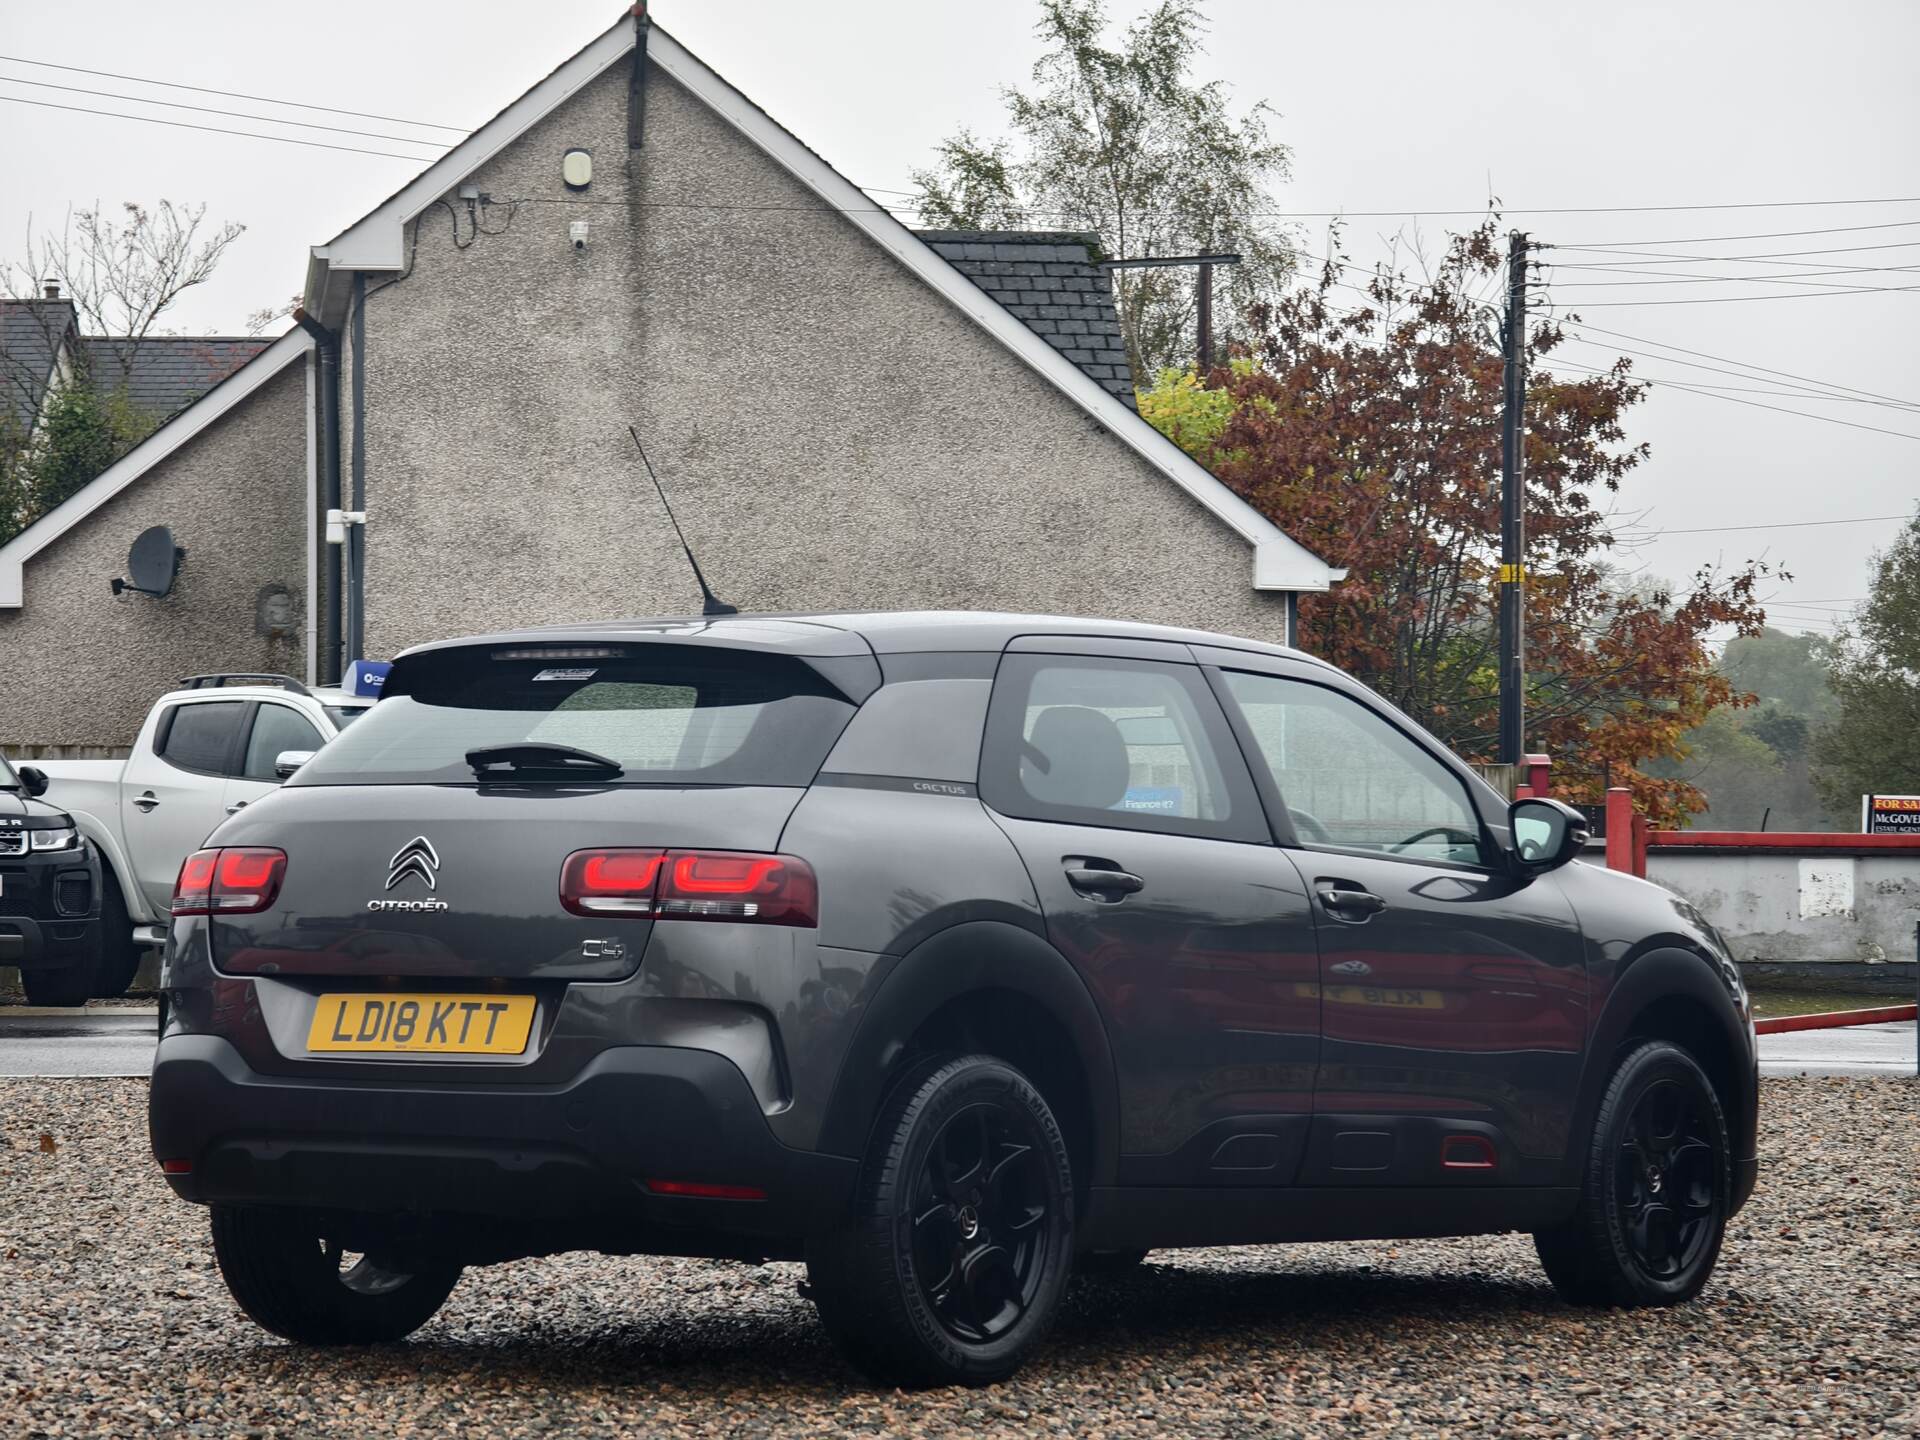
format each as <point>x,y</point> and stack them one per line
<point>946,952</point>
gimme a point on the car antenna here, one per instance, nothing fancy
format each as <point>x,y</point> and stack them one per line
<point>713,604</point>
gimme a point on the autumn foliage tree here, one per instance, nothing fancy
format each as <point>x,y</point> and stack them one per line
<point>1366,424</point>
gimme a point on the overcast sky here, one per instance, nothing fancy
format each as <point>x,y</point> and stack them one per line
<point>1405,107</point>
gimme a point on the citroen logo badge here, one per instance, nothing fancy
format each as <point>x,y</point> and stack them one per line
<point>416,858</point>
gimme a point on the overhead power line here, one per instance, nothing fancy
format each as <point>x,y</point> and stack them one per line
<point>216,110</point>
<point>1826,294</point>
<point>1714,394</point>
<point>1641,257</point>
<point>1809,391</point>
<point>1677,278</point>
<point>234,94</point>
<point>1770,235</point>
<point>1549,210</point>
<point>214,129</point>
<point>1780,525</point>
<point>1724,360</point>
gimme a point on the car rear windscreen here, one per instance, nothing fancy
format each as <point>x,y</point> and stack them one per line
<point>664,714</point>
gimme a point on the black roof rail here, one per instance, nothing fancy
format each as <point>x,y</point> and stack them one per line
<point>254,677</point>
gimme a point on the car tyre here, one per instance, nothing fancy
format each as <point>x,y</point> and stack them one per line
<point>291,1281</point>
<point>57,989</point>
<point>960,1242</point>
<point>1656,1192</point>
<point>119,957</point>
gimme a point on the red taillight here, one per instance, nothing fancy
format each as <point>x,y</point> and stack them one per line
<point>694,1189</point>
<point>690,885</point>
<point>193,890</point>
<point>611,882</point>
<point>234,880</point>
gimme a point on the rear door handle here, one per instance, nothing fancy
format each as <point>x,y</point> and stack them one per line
<point>1350,904</point>
<point>1104,884</point>
<point>236,807</point>
<point>144,803</point>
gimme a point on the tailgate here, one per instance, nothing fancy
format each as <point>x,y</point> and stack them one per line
<point>446,881</point>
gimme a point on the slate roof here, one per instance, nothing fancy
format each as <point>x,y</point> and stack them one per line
<point>163,374</point>
<point>31,332</point>
<point>1049,280</point>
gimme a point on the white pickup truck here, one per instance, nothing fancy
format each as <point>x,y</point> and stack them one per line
<point>207,749</point>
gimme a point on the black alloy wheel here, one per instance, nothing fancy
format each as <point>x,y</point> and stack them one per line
<point>1663,1179</point>
<point>1657,1188</point>
<point>979,1221</point>
<point>960,1241</point>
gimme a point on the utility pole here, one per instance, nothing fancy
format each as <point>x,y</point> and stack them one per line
<point>1206,317</point>
<point>1205,264</point>
<point>1513,509</point>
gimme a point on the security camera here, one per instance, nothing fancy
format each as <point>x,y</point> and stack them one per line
<point>577,232</point>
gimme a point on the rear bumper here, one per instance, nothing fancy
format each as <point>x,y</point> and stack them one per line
<point>581,1154</point>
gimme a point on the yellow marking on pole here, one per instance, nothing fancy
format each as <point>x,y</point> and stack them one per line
<point>1513,574</point>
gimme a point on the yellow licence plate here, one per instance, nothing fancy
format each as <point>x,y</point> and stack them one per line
<point>423,1024</point>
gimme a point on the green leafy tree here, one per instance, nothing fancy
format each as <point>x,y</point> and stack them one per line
<point>1738,774</point>
<point>1753,767</point>
<point>1787,670</point>
<point>1872,744</point>
<point>83,430</point>
<point>1118,140</point>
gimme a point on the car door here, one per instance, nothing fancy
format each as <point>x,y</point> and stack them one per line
<point>1118,780</point>
<point>1453,992</point>
<point>273,727</point>
<point>172,795</point>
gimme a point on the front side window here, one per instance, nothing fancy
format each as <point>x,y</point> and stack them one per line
<point>1127,743</point>
<point>1349,779</point>
<point>199,736</point>
<point>276,728</point>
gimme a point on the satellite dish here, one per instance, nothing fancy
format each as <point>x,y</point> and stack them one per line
<point>152,563</point>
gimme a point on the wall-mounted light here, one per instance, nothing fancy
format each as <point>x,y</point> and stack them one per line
<point>576,169</point>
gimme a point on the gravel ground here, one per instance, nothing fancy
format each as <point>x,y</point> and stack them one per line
<point>113,1322</point>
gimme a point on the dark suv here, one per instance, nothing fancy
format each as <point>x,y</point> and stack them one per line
<point>944,951</point>
<point>50,895</point>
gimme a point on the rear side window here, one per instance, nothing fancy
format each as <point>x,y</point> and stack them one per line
<point>200,736</point>
<point>665,714</point>
<point>1126,743</point>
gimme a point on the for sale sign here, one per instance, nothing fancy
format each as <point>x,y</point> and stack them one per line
<point>1890,814</point>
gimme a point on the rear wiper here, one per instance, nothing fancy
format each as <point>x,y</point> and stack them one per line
<point>532,757</point>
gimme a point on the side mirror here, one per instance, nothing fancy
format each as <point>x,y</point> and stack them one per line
<point>1546,834</point>
<point>288,761</point>
<point>32,779</point>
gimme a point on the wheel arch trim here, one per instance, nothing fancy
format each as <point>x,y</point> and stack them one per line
<point>1666,973</point>
<point>966,959</point>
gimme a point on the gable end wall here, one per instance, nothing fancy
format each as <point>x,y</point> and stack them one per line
<point>832,432</point>
<point>80,667</point>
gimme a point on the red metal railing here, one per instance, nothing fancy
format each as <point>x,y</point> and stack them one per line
<point>1629,837</point>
